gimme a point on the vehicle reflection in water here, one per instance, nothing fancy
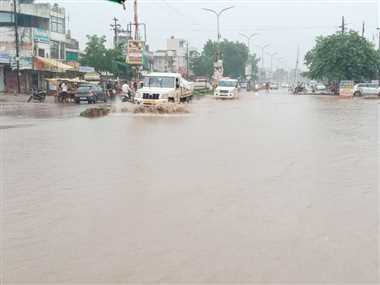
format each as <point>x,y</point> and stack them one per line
<point>263,189</point>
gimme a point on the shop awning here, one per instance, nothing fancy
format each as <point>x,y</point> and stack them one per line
<point>49,64</point>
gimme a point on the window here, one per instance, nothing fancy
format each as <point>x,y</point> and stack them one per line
<point>62,51</point>
<point>41,52</point>
<point>54,49</point>
<point>57,25</point>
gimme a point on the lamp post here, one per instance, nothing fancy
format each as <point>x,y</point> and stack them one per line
<point>272,55</point>
<point>249,38</point>
<point>263,48</point>
<point>218,14</point>
<point>218,66</point>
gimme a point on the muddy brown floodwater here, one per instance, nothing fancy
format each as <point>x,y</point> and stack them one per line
<point>265,189</point>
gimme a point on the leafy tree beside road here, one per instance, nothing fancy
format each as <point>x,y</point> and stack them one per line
<point>235,57</point>
<point>345,56</point>
<point>102,59</point>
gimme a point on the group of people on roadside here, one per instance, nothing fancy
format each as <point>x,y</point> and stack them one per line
<point>111,88</point>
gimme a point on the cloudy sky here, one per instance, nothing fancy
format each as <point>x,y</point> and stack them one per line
<point>284,24</point>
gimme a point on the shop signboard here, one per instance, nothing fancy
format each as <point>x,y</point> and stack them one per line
<point>41,36</point>
<point>135,52</point>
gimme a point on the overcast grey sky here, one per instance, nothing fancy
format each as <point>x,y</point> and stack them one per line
<point>281,23</point>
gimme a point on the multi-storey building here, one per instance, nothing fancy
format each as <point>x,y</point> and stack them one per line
<point>173,58</point>
<point>43,43</point>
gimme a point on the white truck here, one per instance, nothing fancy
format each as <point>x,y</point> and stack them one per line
<point>162,88</point>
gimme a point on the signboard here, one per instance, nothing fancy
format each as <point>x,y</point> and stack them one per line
<point>4,58</point>
<point>24,63</point>
<point>135,52</point>
<point>41,36</point>
<point>7,41</point>
<point>86,69</point>
<point>346,88</point>
<point>218,71</point>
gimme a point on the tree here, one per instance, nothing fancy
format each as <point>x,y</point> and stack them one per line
<point>95,53</point>
<point>345,56</point>
<point>103,59</point>
<point>116,63</point>
<point>235,57</point>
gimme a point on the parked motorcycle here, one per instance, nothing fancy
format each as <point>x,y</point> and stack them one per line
<point>37,95</point>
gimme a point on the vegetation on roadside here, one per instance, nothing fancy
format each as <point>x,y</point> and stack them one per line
<point>235,56</point>
<point>103,59</point>
<point>346,56</point>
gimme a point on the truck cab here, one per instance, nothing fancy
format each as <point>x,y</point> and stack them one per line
<point>163,88</point>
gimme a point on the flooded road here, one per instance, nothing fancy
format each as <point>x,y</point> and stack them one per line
<point>265,189</point>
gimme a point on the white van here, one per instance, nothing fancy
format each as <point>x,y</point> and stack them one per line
<point>227,89</point>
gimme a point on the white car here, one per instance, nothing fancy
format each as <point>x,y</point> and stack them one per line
<point>227,89</point>
<point>366,89</point>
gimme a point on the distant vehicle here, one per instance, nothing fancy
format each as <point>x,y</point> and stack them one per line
<point>90,94</point>
<point>285,86</point>
<point>366,89</point>
<point>202,83</point>
<point>274,86</point>
<point>259,86</point>
<point>162,88</point>
<point>320,88</point>
<point>227,89</point>
<point>243,84</point>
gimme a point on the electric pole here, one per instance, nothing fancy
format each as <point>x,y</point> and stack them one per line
<point>378,29</point>
<point>363,29</point>
<point>297,63</point>
<point>136,19</point>
<point>116,28</point>
<point>15,16</point>
<point>343,26</point>
<point>187,60</point>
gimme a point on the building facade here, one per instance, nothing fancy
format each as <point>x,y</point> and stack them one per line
<point>42,41</point>
<point>173,58</point>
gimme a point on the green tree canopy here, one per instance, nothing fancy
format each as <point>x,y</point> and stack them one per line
<point>235,57</point>
<point>95,53</point>
<point>103,59</point>
<point>343,57</point>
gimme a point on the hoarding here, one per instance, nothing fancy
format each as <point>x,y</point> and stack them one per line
<point>135,52</point>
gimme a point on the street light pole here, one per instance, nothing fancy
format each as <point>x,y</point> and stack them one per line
<point>249,38</point>
<point>15,16</point>
<point>263,55</point>
<point>218,14</point>
<point>272,55</point>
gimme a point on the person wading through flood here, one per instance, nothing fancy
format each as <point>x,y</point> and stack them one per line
<point>64,89</point>
<point>267,87</point>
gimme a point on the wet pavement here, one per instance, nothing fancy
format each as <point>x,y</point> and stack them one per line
<point>265,189</point>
